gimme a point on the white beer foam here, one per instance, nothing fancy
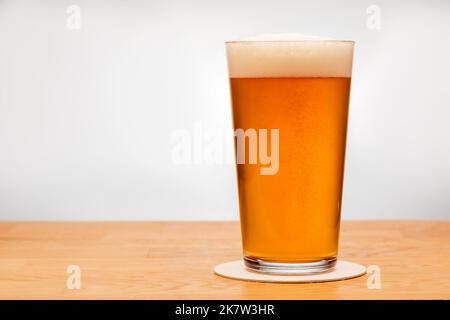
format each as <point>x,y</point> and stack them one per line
<point>289,55</point>
<point>282,37</point>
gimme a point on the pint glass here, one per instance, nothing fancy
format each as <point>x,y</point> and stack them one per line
<point>291,95</point>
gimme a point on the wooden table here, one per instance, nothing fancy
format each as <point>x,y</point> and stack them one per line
<point>174,260</point>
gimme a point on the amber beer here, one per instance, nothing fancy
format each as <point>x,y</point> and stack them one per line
<point>290,220</point>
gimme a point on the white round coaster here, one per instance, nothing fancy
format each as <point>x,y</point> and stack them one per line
<point>237,270</point>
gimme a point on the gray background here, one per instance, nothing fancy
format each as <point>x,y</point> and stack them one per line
<point>87,116</point>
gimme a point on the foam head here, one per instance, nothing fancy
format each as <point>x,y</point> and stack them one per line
<point>289,55</point>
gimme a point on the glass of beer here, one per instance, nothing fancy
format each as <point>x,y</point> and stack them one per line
<point>290,99</point>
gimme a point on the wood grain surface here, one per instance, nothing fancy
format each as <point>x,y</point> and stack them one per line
<point>175,260</point>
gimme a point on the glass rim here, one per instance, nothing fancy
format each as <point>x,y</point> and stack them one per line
<point>287,41</point>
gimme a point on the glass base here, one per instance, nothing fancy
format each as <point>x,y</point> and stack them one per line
<point>259,265</point>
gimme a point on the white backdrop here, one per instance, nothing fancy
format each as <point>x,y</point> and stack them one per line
<point>88,111</point>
